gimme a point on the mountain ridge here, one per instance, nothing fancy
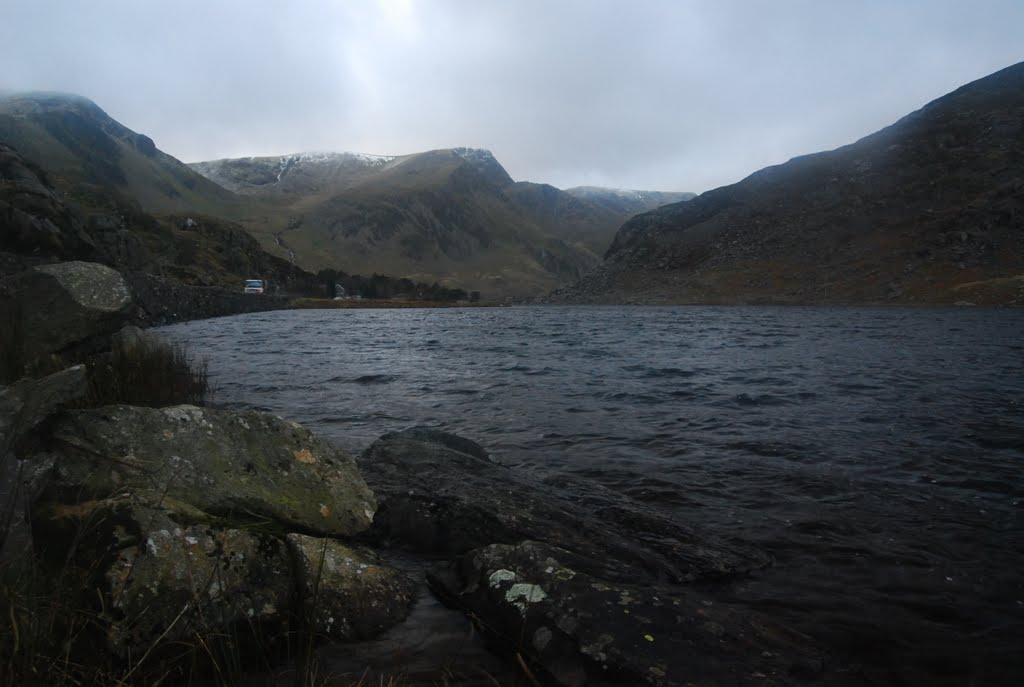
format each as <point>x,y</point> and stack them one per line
<point>451,215</point>
<point>926,210</point>
<point>455,208</point>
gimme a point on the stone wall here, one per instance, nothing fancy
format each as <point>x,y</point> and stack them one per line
<point>164,301</point>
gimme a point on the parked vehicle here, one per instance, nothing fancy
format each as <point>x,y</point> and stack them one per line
<point>255,286</point>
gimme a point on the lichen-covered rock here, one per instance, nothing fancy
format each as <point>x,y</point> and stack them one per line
<point>251,467</point>
<point>576,629</point>
<point>346,592</point>
<point>54,307</point>
<point>194,579</point>
<point>165,574</point>
<point>441,493</point>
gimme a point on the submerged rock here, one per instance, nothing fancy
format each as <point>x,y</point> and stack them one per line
<point>441,493</point>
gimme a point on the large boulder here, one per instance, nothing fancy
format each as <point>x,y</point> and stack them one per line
<point>347,593</point>
<point>245,466</point>
<point>183,525</point>
<point>575,629</point>
<point>441,493</point>
<point>50,309</point>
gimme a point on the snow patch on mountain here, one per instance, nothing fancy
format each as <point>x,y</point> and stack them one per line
<point>475,154</point>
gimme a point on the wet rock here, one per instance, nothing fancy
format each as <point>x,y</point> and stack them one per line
<point>441,493</point>
<point>251,467</point>
<point>51,308</point>
<point>573,628</point>
<point>346,592</point>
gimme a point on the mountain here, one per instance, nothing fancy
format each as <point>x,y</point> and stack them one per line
<point>80,145</point>
<point>439,215</point>
<point>40,224</point>
<point>453,215</point>
<point>927,210</point>
<point>585,216</point>
<point>627,202</point>
<point>77,185</point>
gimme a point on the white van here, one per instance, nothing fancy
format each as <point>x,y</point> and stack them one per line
<point>255,286</point>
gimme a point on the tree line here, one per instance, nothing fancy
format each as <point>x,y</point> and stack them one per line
<point>379,286</point>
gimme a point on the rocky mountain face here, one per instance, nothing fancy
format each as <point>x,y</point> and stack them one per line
<point>41,224</point>
<point>453,215</point>
<point>80,145</point>
<point>928,210</point>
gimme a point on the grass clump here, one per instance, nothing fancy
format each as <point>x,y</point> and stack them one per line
<point>144,370</point>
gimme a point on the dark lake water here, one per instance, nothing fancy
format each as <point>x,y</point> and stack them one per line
<point>877,453</point>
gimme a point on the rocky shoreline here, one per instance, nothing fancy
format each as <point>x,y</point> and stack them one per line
<point>180,526</point>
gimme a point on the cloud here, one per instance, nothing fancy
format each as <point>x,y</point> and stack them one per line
<point>662,94</point>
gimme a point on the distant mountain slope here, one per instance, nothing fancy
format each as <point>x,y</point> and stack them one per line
<point>78,143</point>
<point>586,216</point>
<point>39,224</point>
<point>453,215</point>
<point>450,214</point>
<point>928,210</point>
<point>439,215</point>
<point>627,202</point>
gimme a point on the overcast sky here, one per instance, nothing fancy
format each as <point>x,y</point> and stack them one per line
<point>658,94</point>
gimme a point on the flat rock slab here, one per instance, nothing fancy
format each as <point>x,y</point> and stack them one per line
<point>441,493</point>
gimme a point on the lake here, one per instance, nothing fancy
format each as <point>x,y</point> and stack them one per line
<point>876,453</point>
